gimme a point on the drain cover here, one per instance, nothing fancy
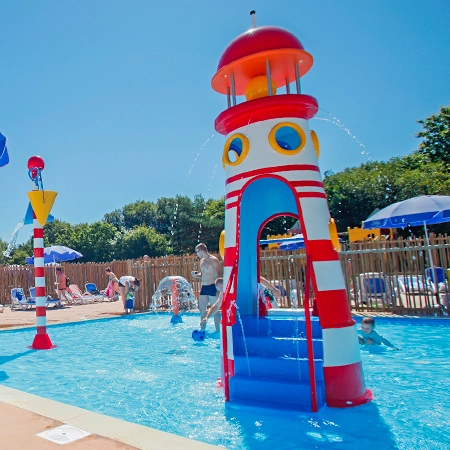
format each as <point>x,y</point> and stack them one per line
<point>63,434</point>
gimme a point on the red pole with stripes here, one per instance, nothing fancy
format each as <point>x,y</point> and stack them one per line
<point>41,340</point>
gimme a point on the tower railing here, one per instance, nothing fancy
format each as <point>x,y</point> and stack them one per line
<point>225,307</point>
<point>312,374</point>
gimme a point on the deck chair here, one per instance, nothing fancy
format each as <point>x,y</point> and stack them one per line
<point>70,299</point>
<point>86,296</point>
<point>91,288</point>
<point>374,286</point>
<point>20,301</point>
<point>75,296</point>
<point>411,284</point>
<point>441,285</point>
<point>49,300</point>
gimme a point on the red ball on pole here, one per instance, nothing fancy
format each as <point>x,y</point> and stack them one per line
<point>36,162</point>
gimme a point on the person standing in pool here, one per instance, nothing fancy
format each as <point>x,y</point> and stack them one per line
<point>210,270</point>
<point>215,309</point>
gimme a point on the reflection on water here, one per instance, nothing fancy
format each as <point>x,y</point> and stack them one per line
<point>142,369</point>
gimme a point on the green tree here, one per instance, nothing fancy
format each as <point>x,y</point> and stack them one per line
<point>115,218</point>
<point>96,242</point>
<point>139,213</point>
<point>3,247</point>
<point>186,224</point>
<point>279,225</point>
<point>59,233</point>
<point>166,211</point>
<point>179,219</point>
<point>139,241</point>
<point>213,222</point>
<point>21,252</point>
<point>436,136</point>
<point>355,193</point>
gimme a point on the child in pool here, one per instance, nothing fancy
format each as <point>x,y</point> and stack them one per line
<point>368,336</point>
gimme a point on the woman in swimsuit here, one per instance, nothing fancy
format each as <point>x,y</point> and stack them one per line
<point>113,285</point>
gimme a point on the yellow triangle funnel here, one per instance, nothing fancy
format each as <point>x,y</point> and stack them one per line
<point>42,203</point>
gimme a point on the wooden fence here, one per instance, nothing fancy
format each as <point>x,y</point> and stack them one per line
<point>384,276</point>
<point>79,274</point>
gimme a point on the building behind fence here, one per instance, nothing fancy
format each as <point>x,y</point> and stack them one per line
<point>383,276</point>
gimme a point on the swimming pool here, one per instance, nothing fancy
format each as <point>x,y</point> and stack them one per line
<point>145,370</point>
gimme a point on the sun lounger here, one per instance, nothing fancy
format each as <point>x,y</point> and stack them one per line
<point>411,284</point>
<point>441,285</point>
<point>85,296</point>
<point>20,301</point>
<point>91,288</point>
<point>75,296</point>
<point>49,301</point>
<point>373,287</point>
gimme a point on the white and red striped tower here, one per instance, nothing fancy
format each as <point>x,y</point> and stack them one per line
<point>41,202</point>
<point>271,163</point>
<point>41,340</point>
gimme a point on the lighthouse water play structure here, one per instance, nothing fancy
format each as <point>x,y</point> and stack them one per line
<point>270,159</point>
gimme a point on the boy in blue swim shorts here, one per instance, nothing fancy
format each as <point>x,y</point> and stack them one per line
<point>210,270</point>
<point>209,289</point>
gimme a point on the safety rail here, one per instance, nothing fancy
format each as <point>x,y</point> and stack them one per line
<point>225,306</point>
<point>312,374</point>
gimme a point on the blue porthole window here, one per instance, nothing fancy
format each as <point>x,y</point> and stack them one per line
<point>235,150</point>
<point>287,138</point>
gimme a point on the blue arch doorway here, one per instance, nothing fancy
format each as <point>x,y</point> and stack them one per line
<point>263,198</point>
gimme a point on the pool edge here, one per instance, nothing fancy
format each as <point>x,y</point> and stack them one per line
<point>129,433</point>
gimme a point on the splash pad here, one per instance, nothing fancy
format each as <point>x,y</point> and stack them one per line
<point>175,294</point>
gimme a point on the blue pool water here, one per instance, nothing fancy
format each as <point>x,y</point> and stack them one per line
<point>144,370</point>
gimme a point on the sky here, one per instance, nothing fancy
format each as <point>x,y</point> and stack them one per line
<point>116,95</point>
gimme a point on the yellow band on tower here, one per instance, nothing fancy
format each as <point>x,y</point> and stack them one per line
<point>334,235</point>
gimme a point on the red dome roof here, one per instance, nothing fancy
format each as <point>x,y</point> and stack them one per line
<point>258,40</point>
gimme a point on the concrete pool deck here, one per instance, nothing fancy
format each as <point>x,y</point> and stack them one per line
<point>24,415</point>
<point>74,313</point>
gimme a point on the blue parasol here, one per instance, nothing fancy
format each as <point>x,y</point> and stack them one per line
<point>4,156</point>
<point>290,243</point>
<point>417,211</point>
<point>57,253</point>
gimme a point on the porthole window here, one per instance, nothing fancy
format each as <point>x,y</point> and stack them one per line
<point>287,138</point>
<point>235,150</point>
<point>316,143</point>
